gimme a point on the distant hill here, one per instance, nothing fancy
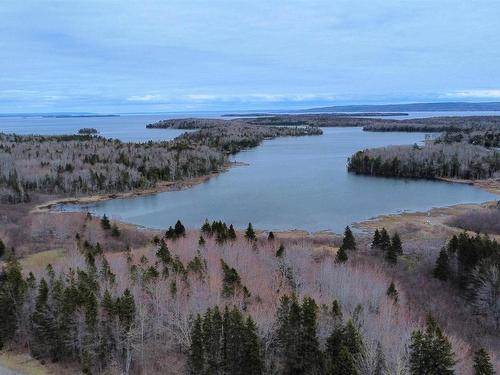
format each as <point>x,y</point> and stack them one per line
<point>412,107</point>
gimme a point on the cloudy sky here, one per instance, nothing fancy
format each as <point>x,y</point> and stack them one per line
<point>135,56</point>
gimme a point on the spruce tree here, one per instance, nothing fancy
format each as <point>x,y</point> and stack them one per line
<point>391,255</point>
<point>201,241</point>
<point>206,228</point>
<point>442,269</point>
<point>231,233</point>
<point>196,351</point>
<point>312,361</point>
<point>115,231</point>
<point>233,350</point>
<point>342,347</point>
<point>170,233</point>
<point>352,338</point>
<point>281,251</point>
<point>2,249</point>
<point>126,309</point>
<point>179,229</point>
<point>385,240</point>
<point>376,239</point>
<point>45,335</point>
<point>289,328</point>
<point>212,339</point>
<point>482,363</point>
<point>12,292</point>
<point>348,242</point>
<point>430,352</point>
<point>251,361</point>
<point>396,244</point>
<point>392,292</point>
<point>341,256</point>
<point>250,233</point>
<point>105,224</point>
<point>344,363</point>
<point>336,311</point>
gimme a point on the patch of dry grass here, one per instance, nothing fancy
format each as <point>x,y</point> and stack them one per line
<point>22,363</point>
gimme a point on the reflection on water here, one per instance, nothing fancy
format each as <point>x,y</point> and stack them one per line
<point>295,182</point>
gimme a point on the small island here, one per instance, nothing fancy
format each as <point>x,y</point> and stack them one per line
<point>87,131</point>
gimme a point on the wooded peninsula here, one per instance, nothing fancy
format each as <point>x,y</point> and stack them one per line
<point>404,294</point>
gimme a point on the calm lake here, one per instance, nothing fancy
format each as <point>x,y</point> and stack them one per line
<point>294,183</point>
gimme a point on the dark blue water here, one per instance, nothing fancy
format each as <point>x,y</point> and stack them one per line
<point>295,182</point>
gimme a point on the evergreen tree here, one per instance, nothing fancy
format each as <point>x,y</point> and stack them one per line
<point>163,254</point>
<point>105,224</point>
<point>281,251</point>
<point>376,239</point>
<point>251,361</point>
<point>231,233</point>
<point>212,338</point>
<point>126,309</point>
<point>430,352</point>
<point>12,291</point>
<point>196,351</point>
<point>396,244</point>
<point>336,311</point>
<point>341,256</point>
<point>342,346</point>
<point>44,326</point>
<point>2,249</point>
<point>170,233</point>
<point>385,240</point>
<point>392,292</point>
<point>250,233</point>
<point>115,231</point>
<point>270,237</point>
<point>179,229</point>
<point>391,255</point>
<point>482,363</point>
<point>453,244</point>
<point>352,339</point>
<point>201,241</point>
<point>288,317</point>
<point>206,228</point>
<point>344,363</point>
<point>310,351</point>
<point>348,242</point>
<point>297,338</point>
<point>442,269</point>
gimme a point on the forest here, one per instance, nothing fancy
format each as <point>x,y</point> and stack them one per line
<point>472,264</point>
<point>429,124</point>
<point>438,124</point>
<point>447,157</point>
<point>220,301</point>
<point>84,164</point>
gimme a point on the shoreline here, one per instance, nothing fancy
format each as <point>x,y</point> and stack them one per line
<point>161,187</point>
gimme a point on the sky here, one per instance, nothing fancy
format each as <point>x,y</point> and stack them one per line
<point>153,56</point>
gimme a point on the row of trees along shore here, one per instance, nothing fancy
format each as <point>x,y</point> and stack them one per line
<point>86,164</point>
<point>130,313</point>
<point>456,160</point>
<point>431,124</point>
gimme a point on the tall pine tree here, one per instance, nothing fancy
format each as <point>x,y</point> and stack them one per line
<point>348,242</point>
<point>430,352</point>
<point>442,269</point>
<point>482,363</point>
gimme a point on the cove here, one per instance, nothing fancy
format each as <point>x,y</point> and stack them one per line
<point>293,183</point>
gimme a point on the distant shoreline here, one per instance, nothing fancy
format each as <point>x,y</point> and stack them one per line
<point>336,114</point>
